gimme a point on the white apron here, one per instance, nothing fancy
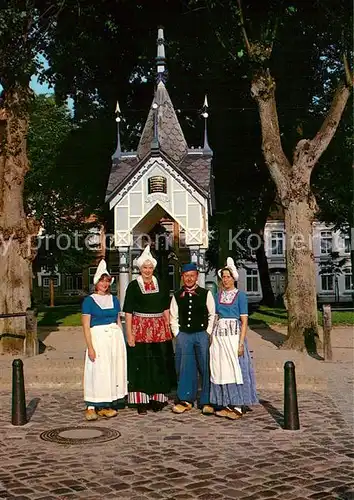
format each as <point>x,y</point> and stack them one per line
<point>224,362</point>
<point>105,379</point>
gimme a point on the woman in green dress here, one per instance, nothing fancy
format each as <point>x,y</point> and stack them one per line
<point>151,372</point>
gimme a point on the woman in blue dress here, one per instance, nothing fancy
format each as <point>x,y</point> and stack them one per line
<point>105,376</point>
<point>232,377</point>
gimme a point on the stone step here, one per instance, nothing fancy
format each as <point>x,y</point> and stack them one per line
<point>42,373</point>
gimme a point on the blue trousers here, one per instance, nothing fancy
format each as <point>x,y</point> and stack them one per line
<point>192,355</point>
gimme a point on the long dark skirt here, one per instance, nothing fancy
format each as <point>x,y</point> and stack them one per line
<point>151,368</point>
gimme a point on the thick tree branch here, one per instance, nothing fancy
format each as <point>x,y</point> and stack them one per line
<point>348,73</point>
<point>243,28</point>
<point>263,91</point>
<point>314,148</point>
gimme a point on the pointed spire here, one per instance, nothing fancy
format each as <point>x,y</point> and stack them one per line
<point>205,114</point>
<point>161,75</point>
<point>162,130</point>
<point>162,125</point>
<point>118,150</point>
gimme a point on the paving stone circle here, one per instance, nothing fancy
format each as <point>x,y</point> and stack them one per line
<point>80,435</point>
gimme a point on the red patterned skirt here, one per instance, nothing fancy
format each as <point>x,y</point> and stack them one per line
<point>151,367</point>
<point>148,328</point>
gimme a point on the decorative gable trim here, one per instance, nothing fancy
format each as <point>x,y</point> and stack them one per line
<point>164,165</point>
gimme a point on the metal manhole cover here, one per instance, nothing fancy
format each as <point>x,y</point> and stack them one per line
<point>80,435</point>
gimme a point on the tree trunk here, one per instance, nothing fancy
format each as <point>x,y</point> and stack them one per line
<point>16,231</point>
<point>263,269</point>
<point>300,293</point>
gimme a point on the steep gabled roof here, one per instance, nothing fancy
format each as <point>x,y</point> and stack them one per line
<point>163,124</point>
<point>197,167</point>
<point>120,171</point>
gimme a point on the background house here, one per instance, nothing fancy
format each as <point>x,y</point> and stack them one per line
<point>331,287</point>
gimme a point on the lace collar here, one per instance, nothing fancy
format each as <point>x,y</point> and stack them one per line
<point>141,284</point>
<point>228,296</point>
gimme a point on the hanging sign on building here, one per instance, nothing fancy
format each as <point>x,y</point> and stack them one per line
<point>157,184</point>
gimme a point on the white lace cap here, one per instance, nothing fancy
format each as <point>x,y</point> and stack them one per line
<point>230,265</point>
<point>101,269</point>
<point>146,256</point>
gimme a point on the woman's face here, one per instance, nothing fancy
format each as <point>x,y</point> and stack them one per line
<point>147,270</point>
<point>104,283</point>
<point>227,280</point>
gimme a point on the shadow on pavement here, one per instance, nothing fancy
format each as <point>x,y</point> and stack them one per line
<point>312,342</point>
<point>273,412</point>
<point>270,335</point>
<point>31,408</point>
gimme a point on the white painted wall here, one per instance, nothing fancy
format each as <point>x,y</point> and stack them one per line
<point>278,261</point>
<point>181,202</point>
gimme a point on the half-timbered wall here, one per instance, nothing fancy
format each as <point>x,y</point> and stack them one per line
<point>180,200</point>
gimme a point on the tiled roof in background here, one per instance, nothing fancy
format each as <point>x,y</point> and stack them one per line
<point>119,172</point>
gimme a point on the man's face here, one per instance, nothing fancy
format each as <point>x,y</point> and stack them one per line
<point>190,278</point>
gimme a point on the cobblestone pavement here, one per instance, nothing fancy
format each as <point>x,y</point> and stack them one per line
<point>341,389</point>
<point>189,456</point>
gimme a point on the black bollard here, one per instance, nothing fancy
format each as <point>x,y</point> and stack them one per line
<point>19,416</point>
<point>291,411</point>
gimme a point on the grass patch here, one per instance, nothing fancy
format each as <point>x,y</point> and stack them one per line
<point>60,316</point>
<point>267,316</point>
<point>263,317</point>
<point>340,318</point>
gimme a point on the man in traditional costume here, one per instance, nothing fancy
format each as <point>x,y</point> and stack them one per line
<point>192,313</point>
<point>151,372</point>
<point>105,377</point>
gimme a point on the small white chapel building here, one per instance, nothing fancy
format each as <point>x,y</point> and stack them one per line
<point>162,192</point>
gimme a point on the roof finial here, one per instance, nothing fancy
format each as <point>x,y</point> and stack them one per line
<point>155,139</point>
<point>205,114</point>
<point>161,75</point>
<point>118,151</point>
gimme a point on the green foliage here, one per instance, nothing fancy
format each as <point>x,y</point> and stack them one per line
<point>49,126</point>
<point>61,210</point>
<point>25,28</point>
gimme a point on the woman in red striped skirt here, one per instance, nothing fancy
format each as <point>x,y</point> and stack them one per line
<point>151,372</point>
